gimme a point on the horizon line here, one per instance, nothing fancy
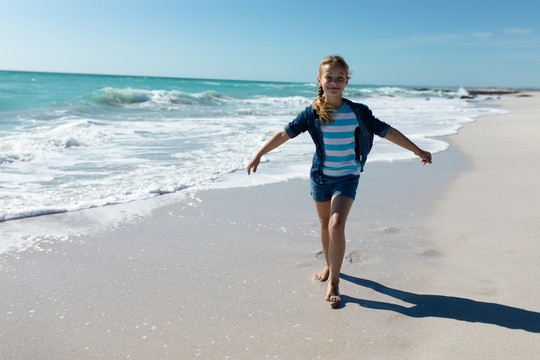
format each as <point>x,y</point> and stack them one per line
<point>531,88</point>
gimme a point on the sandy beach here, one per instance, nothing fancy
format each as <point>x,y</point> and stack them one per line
<point>441,263</point>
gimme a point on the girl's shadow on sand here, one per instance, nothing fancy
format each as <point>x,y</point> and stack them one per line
<point>446,307</point>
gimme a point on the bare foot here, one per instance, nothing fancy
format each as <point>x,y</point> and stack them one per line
<point>333,295</point>
<point>322,276</point>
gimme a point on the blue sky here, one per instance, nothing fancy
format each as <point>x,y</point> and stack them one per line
<point>420,43</point>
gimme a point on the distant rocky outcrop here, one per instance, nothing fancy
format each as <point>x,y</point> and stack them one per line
<point>491,91</point>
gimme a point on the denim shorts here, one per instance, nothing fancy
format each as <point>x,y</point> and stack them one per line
<point>326,187</point>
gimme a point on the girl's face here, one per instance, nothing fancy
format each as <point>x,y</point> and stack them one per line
<point>333,79</point>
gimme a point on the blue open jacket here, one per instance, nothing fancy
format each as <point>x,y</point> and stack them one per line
<point>368,125</point>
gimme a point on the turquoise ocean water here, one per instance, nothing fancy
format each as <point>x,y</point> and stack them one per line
<point>70,142</point>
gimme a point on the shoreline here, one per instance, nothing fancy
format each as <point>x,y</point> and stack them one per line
<point>69,190</point>
<point>228,272</point>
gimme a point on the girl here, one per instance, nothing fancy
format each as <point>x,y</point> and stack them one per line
<point>343,135</point>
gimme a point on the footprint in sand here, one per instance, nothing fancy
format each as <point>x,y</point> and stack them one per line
<point>431,253</point>
<point>354,257</point>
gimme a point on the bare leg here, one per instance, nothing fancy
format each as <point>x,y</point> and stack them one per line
<point>323,211</point>
<point>339,210</point>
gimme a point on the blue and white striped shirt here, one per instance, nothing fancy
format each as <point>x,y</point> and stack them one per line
<point>339,143</point>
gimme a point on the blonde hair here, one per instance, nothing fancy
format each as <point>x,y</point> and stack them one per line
<point>323,109</point>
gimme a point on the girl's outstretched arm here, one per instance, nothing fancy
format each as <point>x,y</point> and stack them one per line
<point>276,140</point>
<point>398,138</point>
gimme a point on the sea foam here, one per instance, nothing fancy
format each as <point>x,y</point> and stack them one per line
<point>71,142</point>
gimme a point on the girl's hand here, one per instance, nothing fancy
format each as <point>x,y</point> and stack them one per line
<point>425,156</point>
<point>253,164</point>
<point>276,140</point>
